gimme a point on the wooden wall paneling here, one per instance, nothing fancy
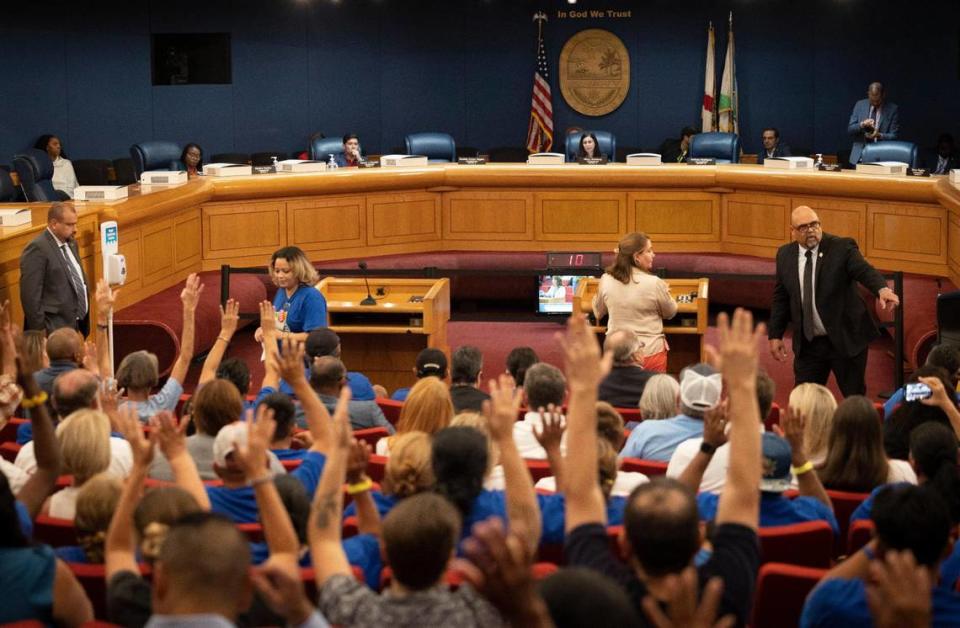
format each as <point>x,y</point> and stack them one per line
<point>903,234</point>
<point>158,250</point>
<point>251,228</point>
<point>187,240</point>
<point>953,252</point>
<point>320,224</point>
<point>487,215</point>
<point>839,217</point>
<point>403,218</point>
<point>580,216</point>
<point>131,247</point>
<point>755,224</point>
<point>675,216</point>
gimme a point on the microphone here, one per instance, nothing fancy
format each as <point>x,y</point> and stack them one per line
<point>369,300</point>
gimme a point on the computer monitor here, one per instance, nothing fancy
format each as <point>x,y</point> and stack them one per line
<point>555,293</point>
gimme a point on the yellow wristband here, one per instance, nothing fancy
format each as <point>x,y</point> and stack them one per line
<point>806,467</point>
<point>363,485</point>
<point>39,399</point>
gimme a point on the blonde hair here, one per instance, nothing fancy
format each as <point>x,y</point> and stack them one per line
<point>409,468</point>
<point>817,404</point>
<point>428,408</point>
<point>300,265</point>
<point>84,444</point>
<point>607,465</point>
<point>96,502</point>
<point>35,350</point>
<point>659,398</point>
<point>479,422</point>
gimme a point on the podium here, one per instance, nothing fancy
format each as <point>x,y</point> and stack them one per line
<point>684,332</point>
<point>382,341</point>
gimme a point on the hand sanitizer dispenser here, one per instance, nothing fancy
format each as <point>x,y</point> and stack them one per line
<point>114,264</point>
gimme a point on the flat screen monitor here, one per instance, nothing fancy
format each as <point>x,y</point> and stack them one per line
<point>555,293</point>
<point>191,58</point>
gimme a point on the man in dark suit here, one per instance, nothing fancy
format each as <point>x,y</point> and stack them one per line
<point>772,146</point>
<point>945,158</point>
<point>623,386</point>
<point>873,119</point>
<point>816,293</point>
<point>53,288</point>
<point>676,151</point>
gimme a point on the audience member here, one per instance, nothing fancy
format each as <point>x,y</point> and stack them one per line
<point>660,398</point>
<point>493,479</point>
<point>636,300</point>
<point>428,409</point>
<point>544,388</point>
<point>191,160</point>
<point>96,501</point>
<point>35,350</point>
<point>856,461</point>
<point>139,372</point>
<point>661,531</point>
<point>623,387</point>
<point>298,307</point>
<point>715,475</point>
<point>518,361</point>
<point>816,404</point>
<point>327,376</point>
<point>578,597</point>
<point>283,437</point>
<point>943,355</point>
<point>72,390</point>
<point>64,178</point>
<point>700,388</point>
<point>939,406</point>
<point>65,352</point>
<point>430,363</point>
<point>466,371</point>
<point>911,519</point>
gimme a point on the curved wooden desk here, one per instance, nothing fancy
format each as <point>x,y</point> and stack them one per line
<point>901,224</point>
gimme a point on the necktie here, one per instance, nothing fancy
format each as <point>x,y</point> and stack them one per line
<point>808,296</point>
<point>76,281</point>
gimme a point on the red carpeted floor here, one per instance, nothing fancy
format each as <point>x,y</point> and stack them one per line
<point>496,339</point>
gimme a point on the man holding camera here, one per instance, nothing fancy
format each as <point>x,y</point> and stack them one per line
<point>873,119</point>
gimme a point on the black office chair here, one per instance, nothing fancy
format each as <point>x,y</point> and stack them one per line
<point>230,158</point>
<point>155,155</point>
<point>36,173</point>
<point>124,173</point>
<point>92,171</point>
<point>322,147</point>
<point>266,158</point>
<point>508,154</point>
<point>623,151</point>
<point>948,318</point>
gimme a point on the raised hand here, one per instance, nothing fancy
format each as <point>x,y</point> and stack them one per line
<point>737,353</point>
<point>229,318</point>
<point>268,322</point>
<point>90,357</point>
<point>715,424</point>
<point>342,431</point>
<point>791,428</point>
<point>252,456</point>
<point>357,461</point>
<point>127,422</point>
<point>171,435</point>
<point>898,593</point>
<point>190,295</point>
<point>550,431</point>
<point>683,611</point>
<point>105,298</point>
<point>583,364</point>
<point>503,407</point>
<point>289,363</point>
<point>279,583</point>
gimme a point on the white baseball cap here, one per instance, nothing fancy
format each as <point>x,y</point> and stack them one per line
<point>700,387</point>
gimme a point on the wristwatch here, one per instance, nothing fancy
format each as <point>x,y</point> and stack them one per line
<point>707,448</point>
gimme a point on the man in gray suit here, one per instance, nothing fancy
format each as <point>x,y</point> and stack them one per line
<point>53,288</point>
<point>873,119</point>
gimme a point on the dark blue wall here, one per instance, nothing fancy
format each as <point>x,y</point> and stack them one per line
<point>383,68</point>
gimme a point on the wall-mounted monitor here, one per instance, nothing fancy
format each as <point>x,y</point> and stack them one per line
<point>191,58</point>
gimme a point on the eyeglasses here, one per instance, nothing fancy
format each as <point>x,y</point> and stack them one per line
<point>810,226</point>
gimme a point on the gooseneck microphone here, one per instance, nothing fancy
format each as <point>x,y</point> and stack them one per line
<point>369,300</point>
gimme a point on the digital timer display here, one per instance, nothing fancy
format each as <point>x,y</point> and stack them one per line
<point>573,260</point>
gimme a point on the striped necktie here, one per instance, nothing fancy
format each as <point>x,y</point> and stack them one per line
<point>75,280</point>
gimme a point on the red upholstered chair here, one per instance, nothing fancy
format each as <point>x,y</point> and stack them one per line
<point>376,467</point>
<point>290,465</point>
<point>844,504</point>
<point>861,533</point>
<point>371,435</point>
<point>93,580</point>
<point>9,431</point>
<point>54,532</point>
<point>350,527</point>
<point>9,451</point>
<point>781,592</point>
<point>538,469</point>
<point>647,467</point>
<point>629,414</point>
<point>391,409</point>
<point>773,418</point>
<point>253,531</point>
<point>809,544</point>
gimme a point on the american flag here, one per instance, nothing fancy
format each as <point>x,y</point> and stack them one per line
<point>540,131</point>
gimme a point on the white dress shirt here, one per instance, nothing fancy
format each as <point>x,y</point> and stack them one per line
<point>818,328</point>
<point>527,443</point>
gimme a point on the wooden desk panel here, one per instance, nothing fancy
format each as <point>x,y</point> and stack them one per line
<point>488,215</point>
<point>321,224</point>
<point>675,216</point>
<point>403,218</point>
<point>591,216</point>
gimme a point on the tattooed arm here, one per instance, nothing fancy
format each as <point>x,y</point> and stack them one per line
<point>326,513</point>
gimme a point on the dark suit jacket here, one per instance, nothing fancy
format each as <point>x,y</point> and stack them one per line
<point>624,385</point>
<point>840,266</point>
<point>889,125</point>
<point>670,152</point>
<point>782,150</point>
<point>933,158</point>
<point>48,298</point>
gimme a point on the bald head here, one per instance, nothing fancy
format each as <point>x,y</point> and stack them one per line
<point>75,390</point>
<point>625,347</point>
<point>805,227</point>
<point>327,375</point>
<point>65,343</point>
<point>875,93</point>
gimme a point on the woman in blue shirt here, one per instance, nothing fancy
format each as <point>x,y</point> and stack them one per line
<point>300,307</point>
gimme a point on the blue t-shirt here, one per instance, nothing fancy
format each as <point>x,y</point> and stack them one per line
<point>71,554</point>
<point>26,523</point>
<point>400,394</point>
<point>657,440</point>
<point>240,504</point>
<point>776,510</point>
<point>26,579</point>
<point>290,454</point>
<point>362,550</point>
<point>360,387</point>
<point>305,310</point>
<point>843,602</point>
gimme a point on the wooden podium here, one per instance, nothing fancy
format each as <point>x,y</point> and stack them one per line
<point>382,341</point>
<point>684,331</point>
